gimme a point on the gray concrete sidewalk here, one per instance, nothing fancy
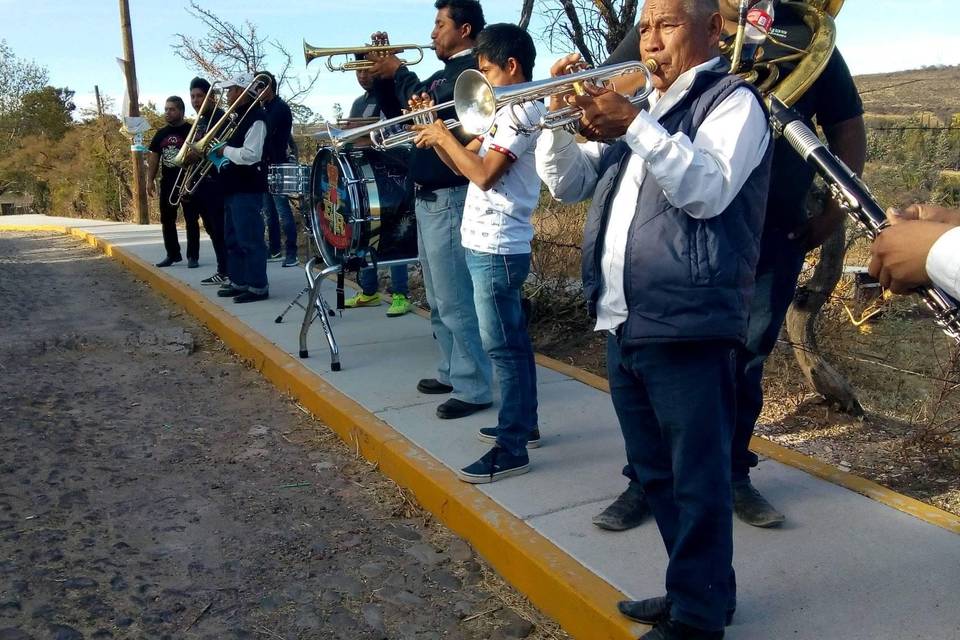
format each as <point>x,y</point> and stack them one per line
<point>844,567</point>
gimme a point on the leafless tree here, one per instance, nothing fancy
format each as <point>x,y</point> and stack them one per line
<point>593,27</point>
<point>229,48</point>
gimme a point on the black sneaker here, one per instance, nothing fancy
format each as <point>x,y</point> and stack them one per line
<point>217,279</point>
<point>629,510</point>
<point>192,264</point>
<point>489,434</point>
<point>753,508</point>
<point>229,291</point>
<point>495,464</point>
<point>674,630</point>
<point>166,262</point>
<point>275,257</point>
<point>250,296</point>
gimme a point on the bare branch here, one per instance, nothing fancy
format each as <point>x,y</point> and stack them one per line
<point>526,13</point>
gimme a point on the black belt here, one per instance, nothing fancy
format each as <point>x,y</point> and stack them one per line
<point>424,193</point>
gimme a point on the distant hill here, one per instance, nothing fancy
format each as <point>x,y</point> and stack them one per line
<point>904,93</point>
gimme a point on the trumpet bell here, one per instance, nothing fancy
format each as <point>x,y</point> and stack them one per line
<point>475,100</point>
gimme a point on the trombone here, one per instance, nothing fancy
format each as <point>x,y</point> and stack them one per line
<point>330,53</point>
<point>215,137</point>
<point>183,185</point>
<point>477,101</point>
<point>383,133</point>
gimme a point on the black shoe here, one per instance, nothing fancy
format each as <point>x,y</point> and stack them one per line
<point>489,434</point>
<point>250,296</point>
<point>229,291</point>
<point>432,385</point>
<point>217,279</point>
<point>192,263</point>
<point>673,630</point>
<point>453,409</point>
<point>629,510</point>
<point>166,262</point>
<point>753,508</point>
<point>654,610</point>
<point>495,464</point>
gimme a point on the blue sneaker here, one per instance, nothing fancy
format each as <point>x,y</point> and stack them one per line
<point>290,262</point>
<point>489,434</point>
<point>495,464</point>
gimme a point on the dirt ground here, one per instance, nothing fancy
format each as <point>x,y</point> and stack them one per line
<point>153,486</point>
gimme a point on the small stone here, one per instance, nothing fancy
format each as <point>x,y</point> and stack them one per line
<point>258,431</point>
<point>118,583</point>
<point>373,617</point>
<point>11,633</point>
<point>405,533</point>
<point>9,607</point>
<point>80,583</point>
<point>346,585</point>
<point>320,467</point>
<point>63,632</point>
<point>372,569</point>
<point>425,554</point>
<point>462,608</point>
<point>270,603</point>
<point>400,597</point>
<point>460,551</point>
<point>123,623</point>
<point>514,627</point>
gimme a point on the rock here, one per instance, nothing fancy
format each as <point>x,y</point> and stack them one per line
<point>346,585</point>
<point>11,633</point>
<point>63,632</point>
<point>514,627</point>
<point>460,551</point>
<point>400,597</point>
<point>372,569</point>
<point>118,583</point>
<point>80,583</point>
<point>270,603</point>
<point>320,467</point>
<point>9,607</point>
<point>462,608</point>
<point>123,623</point>
<point>259,430</point>
<point>425,554</point>
<point>445,579</point>
<point>102,634</point>
<point>373,617</point>
<point>405,533</point>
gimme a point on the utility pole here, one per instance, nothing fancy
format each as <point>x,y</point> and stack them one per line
<point>130,71</point>
<point>96,91</point>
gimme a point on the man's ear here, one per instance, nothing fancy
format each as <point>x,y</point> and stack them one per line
<point>715,29</point>
<point>466,31</point>
<point>513,67</point>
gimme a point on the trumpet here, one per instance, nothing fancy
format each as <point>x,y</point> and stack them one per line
<point>477,101</point>
<point>383,133</point>
<point>330,53</point>
<point>216,135</point>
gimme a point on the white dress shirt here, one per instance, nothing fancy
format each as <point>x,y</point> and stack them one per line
<point>943,262</point>
<point>700,176</point>
<point>252,150</point>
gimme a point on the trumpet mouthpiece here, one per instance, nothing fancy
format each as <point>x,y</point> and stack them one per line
<point>652,65</point>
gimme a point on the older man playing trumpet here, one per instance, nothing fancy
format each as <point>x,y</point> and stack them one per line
<point>670,247</point>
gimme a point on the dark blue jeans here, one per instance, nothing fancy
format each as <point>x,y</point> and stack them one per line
<point>277,210</point>
<point>243,235</point>
<point>398,280</point>
<point>676,404</point>
<point>778,270</point>
<point>497,291</point>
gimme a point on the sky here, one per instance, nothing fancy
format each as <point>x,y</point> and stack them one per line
<point>78,41</point>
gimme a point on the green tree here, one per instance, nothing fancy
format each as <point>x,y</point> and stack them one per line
<point>47,112</point>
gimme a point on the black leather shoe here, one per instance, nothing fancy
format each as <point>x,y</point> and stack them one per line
<point>654,610</point>
<point>453,409</point>
<point>229,292</point>
<point>433,386</point>
<point>626,512</point>
<point>673,630</point>
<point>753,508</point>
<point>166,262</point>
<point>192,263</point>
<point>249,296</point>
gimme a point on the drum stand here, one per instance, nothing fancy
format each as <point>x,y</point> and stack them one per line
<point>316,308</point>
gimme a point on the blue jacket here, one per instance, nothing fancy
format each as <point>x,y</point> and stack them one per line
<point>684,278</point>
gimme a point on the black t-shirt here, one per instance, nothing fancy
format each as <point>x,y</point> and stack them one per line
<point>832,99</point>
<point>166,143</point>
<point>279,130</point>
<point>365,106</point>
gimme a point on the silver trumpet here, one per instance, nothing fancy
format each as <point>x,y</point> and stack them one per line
<point>477,101</point>
<point>385,134</point>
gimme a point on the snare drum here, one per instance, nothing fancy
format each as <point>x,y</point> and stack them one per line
<point>288,179</point>
<point>361,208</point>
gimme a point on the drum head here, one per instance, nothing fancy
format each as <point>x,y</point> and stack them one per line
<point>335,203</point>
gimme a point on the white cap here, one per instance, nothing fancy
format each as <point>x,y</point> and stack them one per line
<point>241,80</point>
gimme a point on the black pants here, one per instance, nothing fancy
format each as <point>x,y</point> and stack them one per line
<point>207,204</point>
<point>676,403</point>
<point>168,220</point>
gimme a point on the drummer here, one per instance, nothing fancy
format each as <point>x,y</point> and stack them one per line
<point>367,106</point>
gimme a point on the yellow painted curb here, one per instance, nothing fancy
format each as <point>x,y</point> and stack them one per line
<point>582,603</point>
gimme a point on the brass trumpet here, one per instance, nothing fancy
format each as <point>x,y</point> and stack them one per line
<point>477,101</point>
<point>330,53</point>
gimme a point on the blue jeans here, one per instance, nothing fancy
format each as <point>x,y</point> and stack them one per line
<point>243,236</point>
<point>277,209</point>
<point>463,363</point>
<point>497,291</point>
<point>675,403</point>
<point>398,278</point>
<point>778,270</point>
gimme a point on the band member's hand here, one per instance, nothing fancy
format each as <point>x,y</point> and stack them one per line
<point>928,212</point>
<point>815,231</point>
<point>431,135</point>
<point>379,38</point>
<point>152,188</point>
<point>564,66</point>
<point>420,102</point>
<point>606,114</point>
<point>385,64</point>
<point>900,254</point>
